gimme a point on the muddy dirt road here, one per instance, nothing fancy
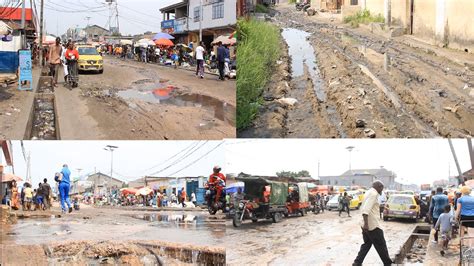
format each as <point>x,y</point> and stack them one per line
<point>133,100</point>
<point>104,232</point>
<point>323,239</point>
<point>353,83</point>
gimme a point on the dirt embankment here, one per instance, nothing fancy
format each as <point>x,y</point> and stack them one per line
<point>373,86</point>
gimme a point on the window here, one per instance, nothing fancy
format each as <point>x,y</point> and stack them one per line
<point>354,2</point>
<point>197,13</point>
<point>218,10</point>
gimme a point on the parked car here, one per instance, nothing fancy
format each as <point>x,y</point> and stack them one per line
<point>333,203</point>
<point>401,206</point>
<point>90,59</point>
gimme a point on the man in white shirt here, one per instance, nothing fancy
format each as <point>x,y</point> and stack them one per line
<point>371,231</point>
<point>200,51</point>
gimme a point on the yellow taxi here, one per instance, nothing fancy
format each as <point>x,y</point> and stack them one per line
<point>401,206</point>
<point>90,59</point>
<point>357,198</point>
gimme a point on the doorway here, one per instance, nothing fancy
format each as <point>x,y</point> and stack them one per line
<point>412,11</point>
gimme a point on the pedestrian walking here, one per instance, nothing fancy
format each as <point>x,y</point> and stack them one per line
<point>227,61</point>
<point>193,198</point>
<point>372,233</point>
<point>28,196</point>
<point>64,183</point>
<point>438,202</point>
<point>55,52</point>
<point>465,209</point>
<point>221,60</point>
<point>46,194</point>
<point>344,201</point>
<point>443,224</point>
<point>40,197</point>
<point>200,52</point>
<point>64,63</point>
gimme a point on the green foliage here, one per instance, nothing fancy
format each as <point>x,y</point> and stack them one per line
<point>261,9</point>
<point>258,49</point>
<point>363,17</point>
<point>302,173</point>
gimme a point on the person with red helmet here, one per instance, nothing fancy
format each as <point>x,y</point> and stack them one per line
<point>218,179</point>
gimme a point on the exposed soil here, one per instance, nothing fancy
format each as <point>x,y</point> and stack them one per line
<point>372,86</point>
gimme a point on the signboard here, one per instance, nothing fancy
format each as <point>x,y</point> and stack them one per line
<point>167,24</point>
<point>25,76</point>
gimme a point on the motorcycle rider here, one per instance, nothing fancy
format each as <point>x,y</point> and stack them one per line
<point>218,180</point>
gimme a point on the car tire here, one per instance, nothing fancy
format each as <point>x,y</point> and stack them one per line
<point>101,71</point>
<point>385,218</point>
<point>277,217</point>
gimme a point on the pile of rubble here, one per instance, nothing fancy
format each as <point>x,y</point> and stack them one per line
<point>417,253</point>
<point>44,120</point>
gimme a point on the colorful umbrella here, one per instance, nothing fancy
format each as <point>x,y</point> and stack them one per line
<point>225,40</point>
<point>233,35</point>
<point>128,190</point>
<point>162,35</point>
<point>144,191</point>
<point>164,42</point>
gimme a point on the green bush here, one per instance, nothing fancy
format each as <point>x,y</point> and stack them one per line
<point>258,49</point>
<point>261,9</point>
<point>363,17</point>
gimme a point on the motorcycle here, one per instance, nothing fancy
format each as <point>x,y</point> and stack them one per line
<point>212,205</point>
<point>303,5</point>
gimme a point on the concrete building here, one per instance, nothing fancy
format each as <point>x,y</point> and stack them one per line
<point>95,33</point>
<point>101,183</point>
<point>6,159</point>
<point>361,177</point>
<point>447,23</point>
<point>184,19</point>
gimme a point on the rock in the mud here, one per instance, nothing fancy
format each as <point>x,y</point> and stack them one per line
<point>367,102</point>
<point>350,107</point>
<point>370,133</point>
<point>288,101</point>
<point>443,94</point>
<point>360,123</point>
<point>361,92</point>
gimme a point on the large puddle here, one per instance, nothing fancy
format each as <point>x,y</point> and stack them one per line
<point>160,94</point>
<point>303,57</point>
<point>181,228</point>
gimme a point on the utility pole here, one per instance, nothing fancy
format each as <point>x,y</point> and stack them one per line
<point>350,148</point>
<point>111,149</point>
<point>23,25</point>
<point>41,33</point>
<point>200,20</point>
<point>460,177</point>
<point>117,16</point>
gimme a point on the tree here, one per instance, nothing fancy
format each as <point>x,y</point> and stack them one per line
<point>302,173</point>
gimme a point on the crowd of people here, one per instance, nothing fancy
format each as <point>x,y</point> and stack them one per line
<point>178,55</point>
<point>40,198</point>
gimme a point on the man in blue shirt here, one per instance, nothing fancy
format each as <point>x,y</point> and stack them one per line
<point>64,185</point>
<point>221,52</point>
<point>438,202</point>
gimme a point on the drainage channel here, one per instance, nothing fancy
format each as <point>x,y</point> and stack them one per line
<point>133,253</point>
<point>43,120</point>
<point>413,251</point>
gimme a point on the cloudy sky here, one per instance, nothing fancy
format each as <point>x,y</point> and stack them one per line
<point>135,16</point>
<point>414,161</point>
<point>132,159</point>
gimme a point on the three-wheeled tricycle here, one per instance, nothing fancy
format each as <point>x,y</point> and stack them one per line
<point>264,199</point>
<point>298,199</point>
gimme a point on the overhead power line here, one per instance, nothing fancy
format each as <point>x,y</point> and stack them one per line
<point>177,161</point>
<point>198,159</point>
<point>172,157</point>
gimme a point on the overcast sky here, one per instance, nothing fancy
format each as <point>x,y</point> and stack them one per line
<point>135,16</point>
<point>414,161</point>
<point>132,159</point>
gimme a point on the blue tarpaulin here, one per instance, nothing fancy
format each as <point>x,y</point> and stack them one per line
<point>8,62</point>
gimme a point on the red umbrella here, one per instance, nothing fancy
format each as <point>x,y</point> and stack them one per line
<point>164,42</point>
